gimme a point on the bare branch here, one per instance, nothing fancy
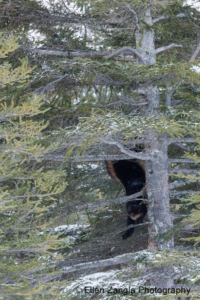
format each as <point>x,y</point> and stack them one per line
<point>126,151</point>
<point>194,55</point>
<point>184,171</point>
<point>181,160</point>
<point>176,184</point>
<point>181,15</point>
<point>121,259</point>
<point>132,50</point>
<point>114,202</point>
<point>69,54</point>
<point>167,47</point>
<point>54,157</point>
<point>172,194</point>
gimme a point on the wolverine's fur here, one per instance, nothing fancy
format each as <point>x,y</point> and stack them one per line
<point>132,175</point>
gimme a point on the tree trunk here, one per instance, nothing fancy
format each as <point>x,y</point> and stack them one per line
<point>157,170</point>
<point>158,192</point>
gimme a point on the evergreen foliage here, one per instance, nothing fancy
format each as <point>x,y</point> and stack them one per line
<point>28,189</point>
<point>92,104</point>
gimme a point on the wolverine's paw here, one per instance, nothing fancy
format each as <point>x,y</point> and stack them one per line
<point>125,236</point>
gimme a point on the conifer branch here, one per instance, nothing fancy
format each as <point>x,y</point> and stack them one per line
<point>50,86</point>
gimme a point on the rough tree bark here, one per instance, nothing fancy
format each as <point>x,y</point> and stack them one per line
<point>157,169</point>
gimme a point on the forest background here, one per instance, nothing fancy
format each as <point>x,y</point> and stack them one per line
<point>83,82</point>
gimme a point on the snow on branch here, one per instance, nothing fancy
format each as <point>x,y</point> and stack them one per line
<point>121,259</point>
<point>167,47</point>
<point>194,55</point>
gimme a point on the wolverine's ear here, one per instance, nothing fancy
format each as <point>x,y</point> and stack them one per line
<point>111,169</point>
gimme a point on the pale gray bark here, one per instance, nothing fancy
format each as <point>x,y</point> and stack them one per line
<point>194,55</point>
<point>157,170</point>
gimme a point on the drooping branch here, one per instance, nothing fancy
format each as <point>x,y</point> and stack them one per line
<point>181,15</point>
<point>131,50</point>
<point>126,151</point>
<point>158,50</point>
<point>194,55</point>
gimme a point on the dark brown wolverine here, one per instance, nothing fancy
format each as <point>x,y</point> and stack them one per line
<point>132,176</point>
